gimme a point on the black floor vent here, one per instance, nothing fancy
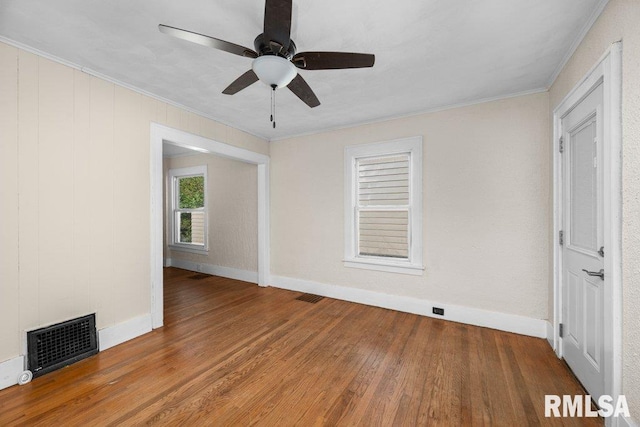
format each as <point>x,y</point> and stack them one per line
<point>62,344</point>
<point>310,298</point>
<point>200,276</point>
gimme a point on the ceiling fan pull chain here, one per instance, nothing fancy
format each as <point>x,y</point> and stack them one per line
<point>273,105</point>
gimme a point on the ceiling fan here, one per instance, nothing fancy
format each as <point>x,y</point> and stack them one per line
<point>275,57</point>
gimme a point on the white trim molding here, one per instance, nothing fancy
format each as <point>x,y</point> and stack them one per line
<point>117,334</point>
<point>550,334</point>
<point>217,270</point>
<point>577,41</point>
<point>608,72</point>
<point>436,109</point>
<point>108,337</point>
<point>472,316</point>
<point>10,370</point>
<point>161,134</point>
<point>120,83</point>
<point>411,147</point>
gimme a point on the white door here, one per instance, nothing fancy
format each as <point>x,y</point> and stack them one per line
<point>583,234</point>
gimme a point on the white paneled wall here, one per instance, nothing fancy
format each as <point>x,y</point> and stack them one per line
<point>74,167</point>
<point>9,277</point>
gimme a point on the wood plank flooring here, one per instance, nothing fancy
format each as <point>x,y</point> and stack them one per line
<point>232,353</point>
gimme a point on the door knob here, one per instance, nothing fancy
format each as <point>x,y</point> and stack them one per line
<point>600,273</point>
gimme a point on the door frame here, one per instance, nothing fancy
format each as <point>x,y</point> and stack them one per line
<point>159,135</point>
<point>607,71</point>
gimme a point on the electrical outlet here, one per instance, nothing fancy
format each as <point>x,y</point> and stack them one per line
<point>439,311</point>
<point>199,267</point>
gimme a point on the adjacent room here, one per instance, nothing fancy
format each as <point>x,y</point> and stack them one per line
<point>279,212</point>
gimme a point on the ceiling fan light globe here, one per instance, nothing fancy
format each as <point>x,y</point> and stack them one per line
<point>274,70</point>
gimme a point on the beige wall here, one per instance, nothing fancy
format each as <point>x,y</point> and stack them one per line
<point>74,165</point>
<point>486,204</point>
<point>232,197</point>
<point>620,21</point>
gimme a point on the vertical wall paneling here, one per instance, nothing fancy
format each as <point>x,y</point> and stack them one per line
<point>55,144</point>
<point>29,177</point>
<point>212,130</point>
<point>174,117</point>
<point>100,199</point>
<point>131,222</point>
<point>9,280</point>
<point>192,123</point>
<point>81,191</point>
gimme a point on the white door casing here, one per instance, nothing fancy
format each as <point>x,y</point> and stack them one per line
<point>583,294</point>
<point>159,135</point>
<point>607,73</point>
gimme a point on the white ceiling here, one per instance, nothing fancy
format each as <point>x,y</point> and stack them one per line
<point>172,150</point>
<point>429,53</point>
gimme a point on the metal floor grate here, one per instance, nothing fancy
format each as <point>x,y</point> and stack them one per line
<point>200,276</point>
<point>62,344</point>
<point>310,298</point>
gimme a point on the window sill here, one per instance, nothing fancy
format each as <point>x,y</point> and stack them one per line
<point>193,250</point>
<point>390,267</point>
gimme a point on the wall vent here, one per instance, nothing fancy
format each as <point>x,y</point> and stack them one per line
<point>61,344</point>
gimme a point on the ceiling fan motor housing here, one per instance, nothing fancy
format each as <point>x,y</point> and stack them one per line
<point>268,47</point>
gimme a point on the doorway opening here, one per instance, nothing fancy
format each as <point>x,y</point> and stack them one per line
<point>160,135</point>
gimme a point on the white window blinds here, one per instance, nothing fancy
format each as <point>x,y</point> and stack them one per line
<point>382,206</point>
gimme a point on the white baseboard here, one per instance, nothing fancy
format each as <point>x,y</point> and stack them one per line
<point>216,270</point>
<point>166,262</point>
<point>472,316</point>
<point>550,334</point>
<point>108,337</point>
<point>125,331</point>
<point>10,370</point>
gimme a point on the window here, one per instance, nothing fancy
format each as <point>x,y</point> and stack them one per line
<point>383,206</point>
<point>189,209</point>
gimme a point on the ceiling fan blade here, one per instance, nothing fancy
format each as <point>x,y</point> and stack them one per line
<point>242,82</point>
<point>277,22</point>
<point>208,41</point>
<point>302,90</point>
<point>332,60</point>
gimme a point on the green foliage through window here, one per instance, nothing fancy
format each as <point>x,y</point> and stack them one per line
<point>191,196</point>
<point>185,228</point>
<point>191,192</point>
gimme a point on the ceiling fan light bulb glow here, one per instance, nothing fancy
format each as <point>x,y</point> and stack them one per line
<point>274,70</point>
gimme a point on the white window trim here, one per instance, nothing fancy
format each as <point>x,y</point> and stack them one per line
<point>174,174</point>
<point>414,265</point>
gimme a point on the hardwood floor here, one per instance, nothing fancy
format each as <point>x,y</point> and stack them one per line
<point>232,353</point>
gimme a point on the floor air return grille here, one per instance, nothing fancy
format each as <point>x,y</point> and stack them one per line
<point>310,298</point>
<point>201,276</point>
<point>61,344</point>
